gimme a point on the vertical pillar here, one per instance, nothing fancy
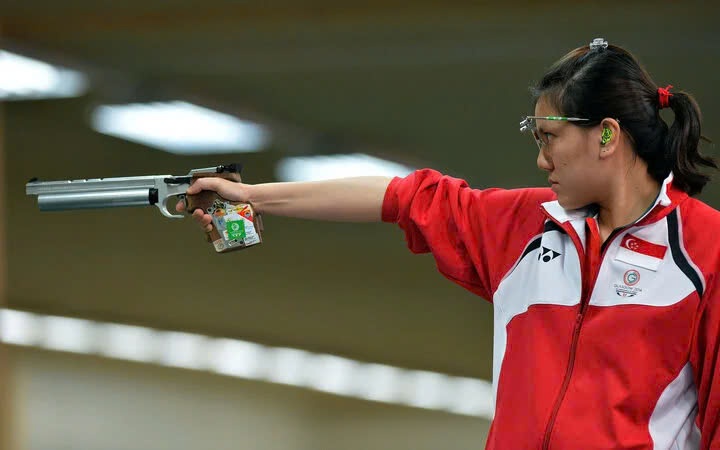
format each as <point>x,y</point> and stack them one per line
<point>6,430</point>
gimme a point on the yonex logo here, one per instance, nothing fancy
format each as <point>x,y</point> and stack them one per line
<point>547,255</point>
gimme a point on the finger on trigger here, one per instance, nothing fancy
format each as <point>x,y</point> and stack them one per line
<point>201,184</point>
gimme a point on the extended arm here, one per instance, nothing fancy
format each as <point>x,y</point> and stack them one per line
<point>347,199</point>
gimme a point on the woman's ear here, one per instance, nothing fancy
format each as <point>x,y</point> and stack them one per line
<point>609,137</point>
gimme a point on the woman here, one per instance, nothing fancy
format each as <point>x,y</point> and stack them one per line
<point>605,286</point>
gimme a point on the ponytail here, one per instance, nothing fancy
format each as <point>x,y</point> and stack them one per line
<point>682,145</point>
<point>599,81</point>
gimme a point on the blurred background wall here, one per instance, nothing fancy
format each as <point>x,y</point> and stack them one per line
<point>421,83</point>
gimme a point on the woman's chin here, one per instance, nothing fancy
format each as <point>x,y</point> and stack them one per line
<point>567,202</point>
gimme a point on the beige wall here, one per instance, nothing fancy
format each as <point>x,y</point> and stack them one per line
<point>85,403</point>
<point>6,403</point>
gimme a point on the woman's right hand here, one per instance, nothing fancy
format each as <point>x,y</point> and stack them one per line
<point>230,190</point>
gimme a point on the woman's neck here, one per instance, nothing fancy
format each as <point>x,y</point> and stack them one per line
<point>627,200</point>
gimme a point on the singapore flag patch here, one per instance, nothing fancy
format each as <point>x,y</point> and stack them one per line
<point>640,252</point>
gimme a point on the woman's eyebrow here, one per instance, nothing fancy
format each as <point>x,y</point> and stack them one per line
<point>552,128</point>
<point>542,129</point>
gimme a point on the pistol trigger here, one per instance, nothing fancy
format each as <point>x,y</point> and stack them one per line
<point>164,209</point>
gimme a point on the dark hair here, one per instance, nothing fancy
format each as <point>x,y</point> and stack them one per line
<point>609,82</point>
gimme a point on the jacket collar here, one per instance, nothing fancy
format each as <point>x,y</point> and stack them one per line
<point>668,198</point>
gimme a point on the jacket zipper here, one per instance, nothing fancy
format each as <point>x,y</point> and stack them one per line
<point>566,381</point>
<point>584,300</point>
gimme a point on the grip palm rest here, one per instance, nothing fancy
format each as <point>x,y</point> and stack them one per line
<point>235,225</point>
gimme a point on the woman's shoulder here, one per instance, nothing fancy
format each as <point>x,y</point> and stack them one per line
<point>443,184</point>
<point>519,197</point>
<point>695,211</point>
<point>699,230</point>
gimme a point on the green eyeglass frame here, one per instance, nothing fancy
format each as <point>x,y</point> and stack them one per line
<point>529,123</point>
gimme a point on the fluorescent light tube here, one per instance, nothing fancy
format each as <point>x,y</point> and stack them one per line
<point>179,127</point>
<point>314,168</point>
<point>23,78</point>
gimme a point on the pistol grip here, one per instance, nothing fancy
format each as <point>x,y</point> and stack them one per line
<point>205,199</point>
<point>235,225</point>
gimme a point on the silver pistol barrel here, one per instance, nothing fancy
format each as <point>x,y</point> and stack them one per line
<point>98,199</point>
<point>94,193</point>
<point>90,193</point>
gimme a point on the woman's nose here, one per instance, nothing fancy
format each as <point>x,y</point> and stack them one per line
<point>543,162</point>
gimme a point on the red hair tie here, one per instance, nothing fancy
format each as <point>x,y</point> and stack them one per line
<point>664,96</point>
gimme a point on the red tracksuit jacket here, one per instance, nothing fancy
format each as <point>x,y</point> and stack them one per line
<point>596,346</point>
